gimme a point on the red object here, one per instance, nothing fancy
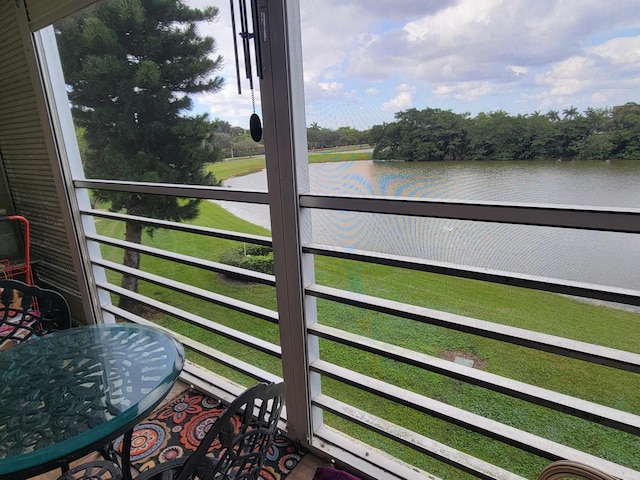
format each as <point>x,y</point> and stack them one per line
<point>13,270</point>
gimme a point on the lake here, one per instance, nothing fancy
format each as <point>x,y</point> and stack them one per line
<point>595,257</point>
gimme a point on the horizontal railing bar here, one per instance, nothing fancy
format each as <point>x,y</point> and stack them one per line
<point>580,289</point>
<point>175,190</point>
<point>518,336</point>
<point>610,417</point>
<point>471,421</point>
<point>222,388</point>
<point>233,304</point>
<point>444,453</point>
<point>182,227</point>
<point>248,275</point>
<point>231,362</point>
<point>585,218</point>
<point>363,457</point>
<point>211,383</point>
<point>565,287</point>
<point>209,325</point>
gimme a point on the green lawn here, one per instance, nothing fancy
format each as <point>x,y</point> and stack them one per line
<point>538,311</point>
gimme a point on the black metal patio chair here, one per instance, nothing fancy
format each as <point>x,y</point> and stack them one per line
<point>94,470</point>
<point>28,310</point>
<point>239,439</point>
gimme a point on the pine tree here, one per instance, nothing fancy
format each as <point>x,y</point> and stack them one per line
<point>130,68</point>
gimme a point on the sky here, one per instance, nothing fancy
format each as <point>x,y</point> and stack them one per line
<point>365,60</point>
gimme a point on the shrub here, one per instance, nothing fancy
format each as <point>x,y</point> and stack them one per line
<point>258,258</point>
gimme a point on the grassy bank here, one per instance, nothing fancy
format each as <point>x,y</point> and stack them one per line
<point>245,165</point>
<point>538,311</point>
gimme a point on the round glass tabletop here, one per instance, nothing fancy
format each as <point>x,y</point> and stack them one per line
<point>68,393</point>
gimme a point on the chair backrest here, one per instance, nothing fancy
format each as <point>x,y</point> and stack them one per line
<point>28,310</point>
<point>243,435</point>
<point>568,469</point>
<point>236,445</point>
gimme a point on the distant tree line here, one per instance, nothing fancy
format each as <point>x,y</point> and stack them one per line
<point>226,141</point>
<point>319,137</point>
<point>433,134</point>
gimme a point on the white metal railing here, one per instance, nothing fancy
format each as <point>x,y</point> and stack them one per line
<point>324,437</point>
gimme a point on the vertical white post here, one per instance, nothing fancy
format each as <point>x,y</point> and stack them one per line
<point>71,169</point>
<point>287,175</point>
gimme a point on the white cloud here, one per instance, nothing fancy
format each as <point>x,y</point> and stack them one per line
<point>599,74</point>
<point>569,76</point>
<point>481,38</point>
<point>402,101</point>
<point>465,91</point>
<point>623,51</point>
<point>330,88</point>
<point>518,70</point>
<point>229,106</point>
<point>464,55</point>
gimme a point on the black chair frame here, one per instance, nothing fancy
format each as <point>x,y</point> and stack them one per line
<point>93,470</point>
<point>28,310</point>
<point>241,436</point>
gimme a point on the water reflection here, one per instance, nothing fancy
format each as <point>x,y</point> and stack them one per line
<point>594,257</point>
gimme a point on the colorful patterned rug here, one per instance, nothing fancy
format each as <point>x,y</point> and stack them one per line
<point>176,429</point>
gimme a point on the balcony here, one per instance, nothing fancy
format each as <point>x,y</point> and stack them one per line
<point>495,393</point>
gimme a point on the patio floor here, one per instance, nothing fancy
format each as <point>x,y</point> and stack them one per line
<point>303,471</point>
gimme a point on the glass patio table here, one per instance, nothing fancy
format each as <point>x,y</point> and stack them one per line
<point>70,393</point>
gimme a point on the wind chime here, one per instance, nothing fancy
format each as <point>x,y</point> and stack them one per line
<point>255,124</point>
